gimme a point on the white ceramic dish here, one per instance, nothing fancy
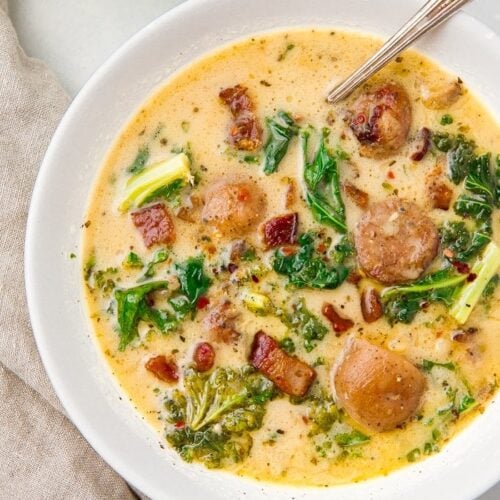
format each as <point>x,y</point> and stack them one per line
<point>466,468</point>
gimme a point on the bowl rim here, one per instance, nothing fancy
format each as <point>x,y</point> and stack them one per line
<point>117,462</point>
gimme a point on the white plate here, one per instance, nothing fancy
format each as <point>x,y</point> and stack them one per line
<point>466,468</point>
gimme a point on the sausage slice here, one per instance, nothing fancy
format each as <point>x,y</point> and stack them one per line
<point>380,119</point>
<point>378,388</point>
<point>155,225</point>
<point>233,208</point>
<point>395,241</point>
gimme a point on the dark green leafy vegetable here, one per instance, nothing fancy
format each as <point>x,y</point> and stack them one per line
<point>103,279</point>
<point>463,244</point>
<point>446,119</point>
<point>343,249</point>
<point>133,260</point>
<point>306,268</point>
<point>321,176</point>
<point>133,308</point>
<point>401,303</point>
<point>305,324</point>
<point>460,151</point>
<point>140,161</point>
<point>211,420</point>
<point>353,438</point>
<point>287,345</point>
<point>170,192</point>
<point>428,365</point>
<point>281,128</point>
<point>159,257</point>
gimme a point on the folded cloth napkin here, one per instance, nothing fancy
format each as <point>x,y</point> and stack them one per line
<point>42,455</point>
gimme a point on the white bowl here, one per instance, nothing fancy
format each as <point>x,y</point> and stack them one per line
<point>466,468</point>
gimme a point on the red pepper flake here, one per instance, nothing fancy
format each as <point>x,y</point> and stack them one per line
<point>339,323</point>
<point>321,248</point>
<point>255,279</point>
<point>471,277</point>
<point>390,175</point>
<point>202,302</point>
<point>461,267</point>
<point>179,425</point>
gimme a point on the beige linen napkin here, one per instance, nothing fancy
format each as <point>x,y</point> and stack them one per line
<point>42,455</point>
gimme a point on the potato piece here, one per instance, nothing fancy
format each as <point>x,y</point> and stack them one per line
<point>378,388</point>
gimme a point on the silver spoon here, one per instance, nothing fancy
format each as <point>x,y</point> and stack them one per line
<point>433,13</point>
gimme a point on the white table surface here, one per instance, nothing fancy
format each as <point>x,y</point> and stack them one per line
<point>74,37</point>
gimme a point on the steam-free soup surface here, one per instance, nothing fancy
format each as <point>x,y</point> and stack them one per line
<point>315,438</point>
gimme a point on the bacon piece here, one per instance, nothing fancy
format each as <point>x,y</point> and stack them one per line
<point>281,230</point>
<point>154,224</point>
<point>220,322</point>
<point>290,191</point>
<point>163,368</point>
<point>339,324</point>
<point>290,374</point>
<point>359,197</point>
<point>245,132</point>
<point>204,356</point>
<point>371,307</point>
<point>421,144</point>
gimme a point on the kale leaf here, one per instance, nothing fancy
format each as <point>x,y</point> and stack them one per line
<point>140,161</point>
<point>281,128</point>
<point>321,176</point>
<point>211,419</point>
<point>460,152</point>
<point>463,244</point>
<point>401,303</point>
<point>306,268</point>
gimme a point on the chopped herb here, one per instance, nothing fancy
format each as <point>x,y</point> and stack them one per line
<point>72,255</point>
<point>140,160</point>
<point>89,267</point>
<point>428,365</point>
<point>287,345</point>
<point>353,438</point>
<point>185,126</point>
<point>159,257</point>
<point>251,159</point>
<point>446,119</point>
<point>288,48</point>
<point>133,261</point>
<point>413,455</point>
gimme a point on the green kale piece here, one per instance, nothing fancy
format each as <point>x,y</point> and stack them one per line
<point>305,324</point>
<point>281,129</point>
<point>133,261</point>
<point>133,308</point>
<point>212,418</point>
<point>353,438</point>
<point>343,249</point>
<point>321,176</point>
<point>306,268</point>
<point>140,161</point>
<point>428,365</point>
<point>159,257</point>
<point>460,152</point>
<point>464,244</point>
<point>401,303</point>
<point>170,192</point>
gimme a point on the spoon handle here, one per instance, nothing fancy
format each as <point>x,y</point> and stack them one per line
<point>433,13</point>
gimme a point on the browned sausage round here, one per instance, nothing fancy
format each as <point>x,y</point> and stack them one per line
<point>233,208</point>
<point>395,241</point>
<point>380,119</point>
<point>378,388</point>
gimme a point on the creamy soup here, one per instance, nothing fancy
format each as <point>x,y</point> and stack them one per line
<point>294,291</point>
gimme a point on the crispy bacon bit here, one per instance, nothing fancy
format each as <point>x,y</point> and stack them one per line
<point>371,306</point>
<point>154,224</point>
<point>202,302</point>
<point>203,357</point>
<point>359,197</point>
<point>339,324</point>
<point>439,191</point>
<point>255,279</point>
<point>471,277</point>
<point>390,174</point>
<point>462,335</point>
<point>281,230</point>
<point>163,368</point>
<point>421,144</point>
<point>220,322</point>
<point>290,374</point>
<point>245,132</point>
<point>290,191</point>
<point>461,267</point>
<point>231,267</point>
